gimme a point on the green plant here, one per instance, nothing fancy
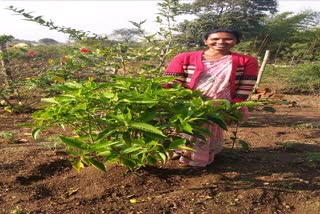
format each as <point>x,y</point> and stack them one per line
<point>162,44</point>
<point>7,136</point>
<point>134,122</point>
<point>234,139</point>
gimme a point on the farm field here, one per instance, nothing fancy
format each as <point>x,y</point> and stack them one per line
<point>280,173</point>
<point>104,91</point>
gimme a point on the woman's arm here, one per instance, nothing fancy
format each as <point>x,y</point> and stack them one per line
<point>175,68</point>
<point>247,80</point>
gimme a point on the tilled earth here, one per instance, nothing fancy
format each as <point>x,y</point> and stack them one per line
<point>279,174</point>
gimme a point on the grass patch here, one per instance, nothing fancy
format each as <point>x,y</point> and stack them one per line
<point>301,79</point>
<point>7,136</point>
<point>304,126</point>
<point>313,157</point>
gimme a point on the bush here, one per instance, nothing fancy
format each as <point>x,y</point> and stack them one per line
<point>132,121</point>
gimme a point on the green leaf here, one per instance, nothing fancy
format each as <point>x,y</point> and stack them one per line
<point>35,133</point>
<point>145,101</point>
<point>151,160</point>
<point>217,119</point>
<point>128,116</point>
<point>108,94</point>
<point>148,116</point>
<point>104,153</point>
<point>97,164</point>
<point>25,125</point>
<point>186,127</point>
<point>153,136</point>
<point>244,145</point>
<point>73,142</point>
<point>129,163</point>
<point>176,143</point>
<point>146,127</point>
<point>132,149</point>
<point>163,157</point>
<point>182,147</point>
<point>105,133</point>
<point>135,23</point>
<point>50,100</point>
<point>73,84</point>
<point>246,103</point>
<point>100,145</point>
<point>269,109</point>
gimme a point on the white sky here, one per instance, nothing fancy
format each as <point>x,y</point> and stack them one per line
<point>101,17</point>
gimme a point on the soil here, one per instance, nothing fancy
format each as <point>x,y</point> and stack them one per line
<point>279,174</point>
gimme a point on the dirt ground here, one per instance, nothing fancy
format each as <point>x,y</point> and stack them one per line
<point>280,173</point>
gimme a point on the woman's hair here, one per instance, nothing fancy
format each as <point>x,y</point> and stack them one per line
<point>236,33</point>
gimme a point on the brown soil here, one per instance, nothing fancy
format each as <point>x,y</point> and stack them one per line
<point>280,173</point>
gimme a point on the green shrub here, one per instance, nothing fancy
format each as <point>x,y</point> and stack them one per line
<point>131,121</point>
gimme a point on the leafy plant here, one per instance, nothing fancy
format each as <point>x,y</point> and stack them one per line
<point>162,44</point>
<point>134,122</point>
<point>234,139</point>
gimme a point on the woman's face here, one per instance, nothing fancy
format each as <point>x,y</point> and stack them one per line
<point>221,41</point>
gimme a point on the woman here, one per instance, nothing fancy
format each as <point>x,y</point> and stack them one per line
<point>219,74</point>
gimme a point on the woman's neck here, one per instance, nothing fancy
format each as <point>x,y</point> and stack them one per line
<point>212,55</point>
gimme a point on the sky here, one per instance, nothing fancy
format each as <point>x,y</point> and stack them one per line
<point>101,17</point>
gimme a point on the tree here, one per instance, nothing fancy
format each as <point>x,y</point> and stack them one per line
<point>291,35</point>
<point>125,34</point>
<point>244,15</point>
<point>48,41</point>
